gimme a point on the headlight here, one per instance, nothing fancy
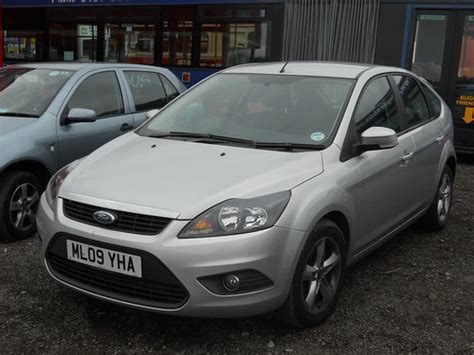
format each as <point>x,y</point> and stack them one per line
<point>56,181</point>
<point>238,216</point>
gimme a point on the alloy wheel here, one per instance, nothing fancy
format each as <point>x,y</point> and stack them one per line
<point>444,197</point>
<point>321,275</point>
<point>23,205</point>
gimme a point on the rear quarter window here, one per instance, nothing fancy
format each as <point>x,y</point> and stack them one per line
<point>434,104</point>
<point>416,108</point>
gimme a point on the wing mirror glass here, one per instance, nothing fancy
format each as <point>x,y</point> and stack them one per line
<point>77,115</point>
<point>375,138</point>
<point>151,113</point>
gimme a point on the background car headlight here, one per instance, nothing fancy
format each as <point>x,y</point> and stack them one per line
<point>56,181</point>
<point>237,216</point>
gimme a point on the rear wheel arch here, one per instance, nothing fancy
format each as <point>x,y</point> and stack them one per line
<point>451,163</point>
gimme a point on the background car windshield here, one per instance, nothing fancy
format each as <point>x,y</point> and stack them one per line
<point>263,108</point>
<point>29,91</point>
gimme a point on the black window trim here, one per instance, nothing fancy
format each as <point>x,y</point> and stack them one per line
<point>78,83</point>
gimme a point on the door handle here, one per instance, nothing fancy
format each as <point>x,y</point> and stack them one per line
<point>407,156</point>
<point>440,139</point>
<point>126,127</point>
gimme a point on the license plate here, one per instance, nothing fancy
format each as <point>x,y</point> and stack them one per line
<point>106,259</point>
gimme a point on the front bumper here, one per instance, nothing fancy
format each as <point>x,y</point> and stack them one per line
<point>272,252</point>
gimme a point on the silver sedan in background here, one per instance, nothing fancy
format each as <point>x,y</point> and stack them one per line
<point>253,192</point>
<point>54,113</point>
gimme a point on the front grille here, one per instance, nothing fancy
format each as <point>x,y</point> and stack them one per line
<point>126,221</point>
<point>157,288</point>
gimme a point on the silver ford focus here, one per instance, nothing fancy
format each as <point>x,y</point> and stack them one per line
<point>253,192</point>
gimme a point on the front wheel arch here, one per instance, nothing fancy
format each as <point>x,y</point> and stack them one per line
<point>42,173</point>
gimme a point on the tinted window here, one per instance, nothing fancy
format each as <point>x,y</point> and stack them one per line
<point>433,102</point>
<point>377,107</point>
<point>147,90</point>
<point>415,105</point>
<point>171,91</point>
<point>99,92</point>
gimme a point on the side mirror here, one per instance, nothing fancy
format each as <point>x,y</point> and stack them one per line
<point>375,138</point>
<point>151,113</point>
<point>77,115</point>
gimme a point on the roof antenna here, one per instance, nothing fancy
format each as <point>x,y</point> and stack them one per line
<point>282,70</point>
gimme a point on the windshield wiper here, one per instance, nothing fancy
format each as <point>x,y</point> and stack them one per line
<point>205,136</point>
<point>289,146</point>
<point>214,138</point>
<point>18,114</point>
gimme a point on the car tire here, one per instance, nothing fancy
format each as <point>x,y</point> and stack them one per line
<point>437,215</point>
<point>318,278</point>
<point>20,193</point>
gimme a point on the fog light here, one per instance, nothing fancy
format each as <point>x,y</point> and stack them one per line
<point>231,282</point>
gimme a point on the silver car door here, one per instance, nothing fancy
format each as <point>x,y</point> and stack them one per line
<point>99,91</point>
<point>427,135</point>
<point>385,195</point>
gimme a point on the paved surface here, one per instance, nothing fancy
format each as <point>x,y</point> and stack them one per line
<point>415,294</point>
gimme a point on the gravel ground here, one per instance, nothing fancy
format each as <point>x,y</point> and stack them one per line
<point>415,294</point>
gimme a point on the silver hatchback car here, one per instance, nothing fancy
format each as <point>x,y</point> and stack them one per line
<point>253,192</point>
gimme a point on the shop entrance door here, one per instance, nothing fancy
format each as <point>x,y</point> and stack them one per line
<point>443,53</point>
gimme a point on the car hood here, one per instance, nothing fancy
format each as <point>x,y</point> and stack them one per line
<point>180,179</point>
<point>8,124</point>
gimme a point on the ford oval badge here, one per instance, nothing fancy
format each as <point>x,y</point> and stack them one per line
<point>104,217</point>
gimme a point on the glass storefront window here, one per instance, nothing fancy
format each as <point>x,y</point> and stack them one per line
<point>177,36</point>
<point>227,44</point>
<point>464,108</point>
<point>129,43</point>
<point>21,45</point>
<point>69,42</point>
<point>428,47</point>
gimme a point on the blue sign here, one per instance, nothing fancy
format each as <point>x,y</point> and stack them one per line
<point>61,3</point>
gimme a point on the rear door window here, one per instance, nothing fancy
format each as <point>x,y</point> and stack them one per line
<point>147,90</point>
<point>416,108</point>
<point>99,92</point>
<point>377,107</point>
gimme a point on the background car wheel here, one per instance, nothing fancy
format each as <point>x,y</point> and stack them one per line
<point>318,278</point>
<point>19,199</point>
<point>436,217</point>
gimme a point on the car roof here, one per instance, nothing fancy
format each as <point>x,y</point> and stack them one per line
<point>76,66</point>
<point>307,68</point>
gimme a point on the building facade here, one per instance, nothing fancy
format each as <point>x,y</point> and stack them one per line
<point>195,38</point>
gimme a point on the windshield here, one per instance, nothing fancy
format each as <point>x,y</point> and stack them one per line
<point>260,108</point>
<point>28,92</point>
